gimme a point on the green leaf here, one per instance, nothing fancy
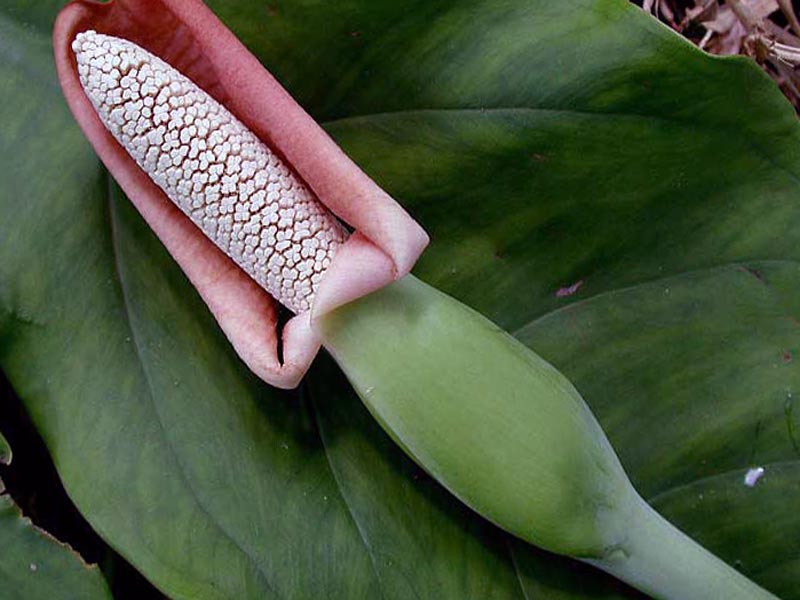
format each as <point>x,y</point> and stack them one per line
<point>541,143</point>
<point>5,453</point>
<point>34,565</point>
<point>706,358</point>
<point>752,527</point>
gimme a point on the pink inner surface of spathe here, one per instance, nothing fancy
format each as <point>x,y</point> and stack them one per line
<point>188,36</point>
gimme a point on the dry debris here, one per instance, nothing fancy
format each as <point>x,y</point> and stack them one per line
<point>766,30</point>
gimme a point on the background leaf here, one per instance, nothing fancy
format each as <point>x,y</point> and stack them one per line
<point>695,397</point>
<point>542,144</point>
<point>35,566</point>
<point>5,453</point>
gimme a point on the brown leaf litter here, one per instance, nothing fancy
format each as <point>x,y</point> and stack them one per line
<point>768,31</point>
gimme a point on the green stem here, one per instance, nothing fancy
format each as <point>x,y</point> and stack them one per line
<point>658,559</point>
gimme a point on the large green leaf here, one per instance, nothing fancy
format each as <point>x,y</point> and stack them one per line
<point>34,566</point>
<point>542,143</point>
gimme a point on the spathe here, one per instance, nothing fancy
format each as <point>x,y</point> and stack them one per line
<point>186,34</point>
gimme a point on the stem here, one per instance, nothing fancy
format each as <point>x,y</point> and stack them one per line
<point>788,10</point>
<point>660,560</point>
<point>745,14</point>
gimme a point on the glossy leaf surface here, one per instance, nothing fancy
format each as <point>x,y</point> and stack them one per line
<point>542,144</point>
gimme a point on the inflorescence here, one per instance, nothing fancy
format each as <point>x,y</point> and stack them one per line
<point>232,186</point>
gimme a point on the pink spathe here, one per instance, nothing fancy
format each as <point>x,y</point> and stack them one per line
<point>186,34</point>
